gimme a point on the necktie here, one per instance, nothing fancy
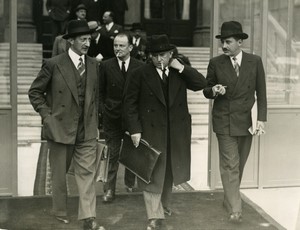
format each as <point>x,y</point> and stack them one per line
<point>123,69</point>
<point>236,66</point>
<point>81,67</point>
<point>164,76</point>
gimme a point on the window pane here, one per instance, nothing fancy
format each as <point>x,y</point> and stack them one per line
<point>4,54</point>
<point>283,53</point>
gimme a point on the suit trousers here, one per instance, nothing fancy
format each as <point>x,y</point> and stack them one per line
<point>84,156</point>
<point>233,154</point>
<point>155,202</point>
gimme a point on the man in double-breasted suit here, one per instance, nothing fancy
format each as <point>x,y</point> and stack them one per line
<point>234,79</point>
<point>65,94</point>
<point>156,109</point>
<point>109,31</point>
<point>113,75</point>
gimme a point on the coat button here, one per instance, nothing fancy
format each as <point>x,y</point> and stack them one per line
<point>62,105</point>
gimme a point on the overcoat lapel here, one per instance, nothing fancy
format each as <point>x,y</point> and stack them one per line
<point>66,67</point>
<point>174,85</point>
<point>154,83</point>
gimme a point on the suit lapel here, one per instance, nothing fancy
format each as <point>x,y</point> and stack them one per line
<point>91,79</point>
<point>66,68</point>
<point>245,68</point>
<point>228,70</point>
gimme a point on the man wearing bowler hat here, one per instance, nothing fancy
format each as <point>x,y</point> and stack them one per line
<point>156,109</point>
<point>65,94</point>
<point>234,79</point>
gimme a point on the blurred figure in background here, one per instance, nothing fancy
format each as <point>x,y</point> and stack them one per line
<point>98,43</point>
<point>139,42</point>
<point>118,7</point>
<point>81,12</point>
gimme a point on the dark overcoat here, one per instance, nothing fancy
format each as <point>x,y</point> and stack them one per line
<point>54,95</point>
<point>145,111</point>
<point>231,112</point>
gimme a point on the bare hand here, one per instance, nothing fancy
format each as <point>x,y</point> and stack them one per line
<point>136,139</point>
<point>176,64</point>
<point>219,89</point>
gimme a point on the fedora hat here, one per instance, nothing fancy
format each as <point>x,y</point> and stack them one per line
<point>159,43</point>
<point>232,29</point>
<point>136,26</point>
<point>93,25</point>
<point>76,28</point>
<point>80,7</point>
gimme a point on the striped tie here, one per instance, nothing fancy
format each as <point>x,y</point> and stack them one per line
<point>81,67</point>
<point>236,66</point>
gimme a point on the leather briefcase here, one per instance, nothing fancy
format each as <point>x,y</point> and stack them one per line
<point>102,162</point>
<point>141,160</point>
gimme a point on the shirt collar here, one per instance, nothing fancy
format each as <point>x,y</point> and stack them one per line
<point>238,58</point>
<point>109,25</point>
<point>75,57</point>
<point>126,63</point>
<point>160,72</point>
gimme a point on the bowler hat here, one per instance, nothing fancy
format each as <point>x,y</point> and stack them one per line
<point>76,28</point>
<point>80,7</point>
<point>93,25</point>
<point>136,26</point>
<point>232,29</point>
<point>159,43</point>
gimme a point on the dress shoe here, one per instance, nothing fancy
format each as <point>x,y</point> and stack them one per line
<point>167,211</point>
<point>63,219</point>
<point>129,189</point>
<point>154,224</point>
<point>235,217</point>
<point>91,224</point>
<point>109,196</point>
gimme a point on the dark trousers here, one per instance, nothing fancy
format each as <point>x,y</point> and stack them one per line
<point>114,145</point>
<point>84,156</point>
<point>233,154</point>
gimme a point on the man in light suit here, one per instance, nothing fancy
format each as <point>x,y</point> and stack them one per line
<point>156,109</point>
<point>65,94</point>
<point>109,31</point>
<point>113,75</point>
<point>233,81</point>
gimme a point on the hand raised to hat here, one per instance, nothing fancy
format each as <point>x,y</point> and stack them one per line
<point>176,64</point>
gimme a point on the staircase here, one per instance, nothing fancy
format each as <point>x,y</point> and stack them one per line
<point>198,104</point>
<point>29,63</point>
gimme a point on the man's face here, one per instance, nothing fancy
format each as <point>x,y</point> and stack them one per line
<point>122,48</point>
<point>81,14</point>
<point>106,18</point>
<point>162,59</point>
<point>231,46</point>
<point>81,44</point>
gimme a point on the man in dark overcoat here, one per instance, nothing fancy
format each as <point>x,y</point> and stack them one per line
<point>234,79</point>
<point>65,94</point>
<point>112,82</point>
<point>156,109</point>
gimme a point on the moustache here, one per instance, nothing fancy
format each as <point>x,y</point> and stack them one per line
<point>224,49</point>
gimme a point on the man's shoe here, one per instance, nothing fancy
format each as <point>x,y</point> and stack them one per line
<point>91,224</point>
<point>63,219</point>
<point>167,211</point>
<point>235,217</point>
<point>109,196</point>
<point>154,224</point>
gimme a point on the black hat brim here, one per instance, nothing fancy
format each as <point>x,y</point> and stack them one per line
<point>72,35</point>
<point>240,35</point>
<point>166,49</point>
